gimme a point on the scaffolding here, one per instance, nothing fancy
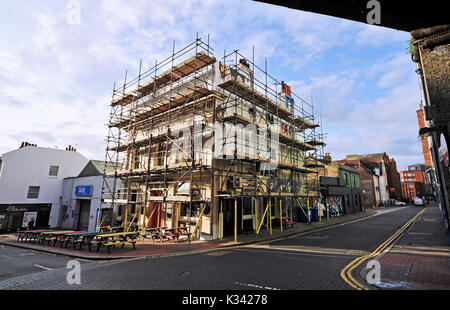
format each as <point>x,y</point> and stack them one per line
<point>194,137</point>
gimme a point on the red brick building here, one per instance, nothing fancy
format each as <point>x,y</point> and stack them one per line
<point>413,183</point>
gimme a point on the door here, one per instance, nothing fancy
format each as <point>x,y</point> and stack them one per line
<point>83,219</point>
<point>229,216</point>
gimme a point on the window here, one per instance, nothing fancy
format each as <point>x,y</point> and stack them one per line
<point>53,171</point>
<point>33,192</point>
<point>136,159</point>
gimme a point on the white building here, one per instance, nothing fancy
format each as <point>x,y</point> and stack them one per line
<point>81,199</point>
<point>31,184</point>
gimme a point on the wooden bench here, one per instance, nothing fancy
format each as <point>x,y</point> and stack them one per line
<point>155,233</point>
<point>23,235</point>
<point>112,239</point>
<point>55,236</point>
<point>175,233</point>
<point>75,238</point>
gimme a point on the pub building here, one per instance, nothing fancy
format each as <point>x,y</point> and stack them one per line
<point>16,216</point>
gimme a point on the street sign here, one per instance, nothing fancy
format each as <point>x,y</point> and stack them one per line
<point>83,190</point>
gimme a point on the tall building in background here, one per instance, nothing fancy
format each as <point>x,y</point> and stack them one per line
<point>416,182</point>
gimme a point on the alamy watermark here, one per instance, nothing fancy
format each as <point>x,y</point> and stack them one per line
<point>74,12</point>
<point>74,275</point>
<point>374,274</point>
<point>374,15</point>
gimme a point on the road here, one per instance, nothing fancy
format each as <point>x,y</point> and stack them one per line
<point>304,262</point>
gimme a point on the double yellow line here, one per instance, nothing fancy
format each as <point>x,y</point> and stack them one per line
<point>346,273</point>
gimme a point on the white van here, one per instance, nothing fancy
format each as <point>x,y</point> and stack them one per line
<point>418,201</point>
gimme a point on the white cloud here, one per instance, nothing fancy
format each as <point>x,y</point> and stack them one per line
<point>377,36</point>
<point>56,82</point>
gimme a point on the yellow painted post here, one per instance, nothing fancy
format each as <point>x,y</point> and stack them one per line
<point>270,216</point>
<point>221,221</point>
<point>235,220</point>
<point>262,220</point>
<point>198,222</point>
<point>309,212</point>
<point>126,218</point>
<point>281,215</point>
<point>256,213</point>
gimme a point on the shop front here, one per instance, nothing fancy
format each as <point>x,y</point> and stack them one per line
<point>17,216</point>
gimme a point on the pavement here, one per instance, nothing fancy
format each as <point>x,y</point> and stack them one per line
<point>147,248</point>
<point>420,258</point>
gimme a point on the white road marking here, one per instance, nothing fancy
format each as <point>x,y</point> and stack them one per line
<point>46,268</point>
<point>258,286</point>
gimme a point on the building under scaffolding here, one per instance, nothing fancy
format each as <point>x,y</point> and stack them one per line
<point>217,145</point>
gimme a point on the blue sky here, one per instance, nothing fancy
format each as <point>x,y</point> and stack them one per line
<point>56,78</point>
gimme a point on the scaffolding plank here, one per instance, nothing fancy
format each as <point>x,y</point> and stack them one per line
<point>164,105</point>
<point>181,70</point>
<point>247,93</point>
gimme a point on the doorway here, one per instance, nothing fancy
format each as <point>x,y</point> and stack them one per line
<point>83,218</point>
<point>228,216</point>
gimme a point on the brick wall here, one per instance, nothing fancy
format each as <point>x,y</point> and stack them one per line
<point>424,139</point>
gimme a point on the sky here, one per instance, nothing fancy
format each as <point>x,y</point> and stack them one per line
<point>57,70</point>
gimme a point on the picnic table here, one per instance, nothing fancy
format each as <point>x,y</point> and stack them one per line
<point>175,233</point>
<point>31,234</point>
<point>112,239</point>
<point>54,236</point>
<point>286,221</point>
<point>80,238</point>
<point>154,232</point>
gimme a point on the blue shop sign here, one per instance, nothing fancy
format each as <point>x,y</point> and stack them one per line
<point>83,190</point>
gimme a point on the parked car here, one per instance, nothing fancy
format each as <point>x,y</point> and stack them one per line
<point>399,203</point>
<point>418,201</point>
